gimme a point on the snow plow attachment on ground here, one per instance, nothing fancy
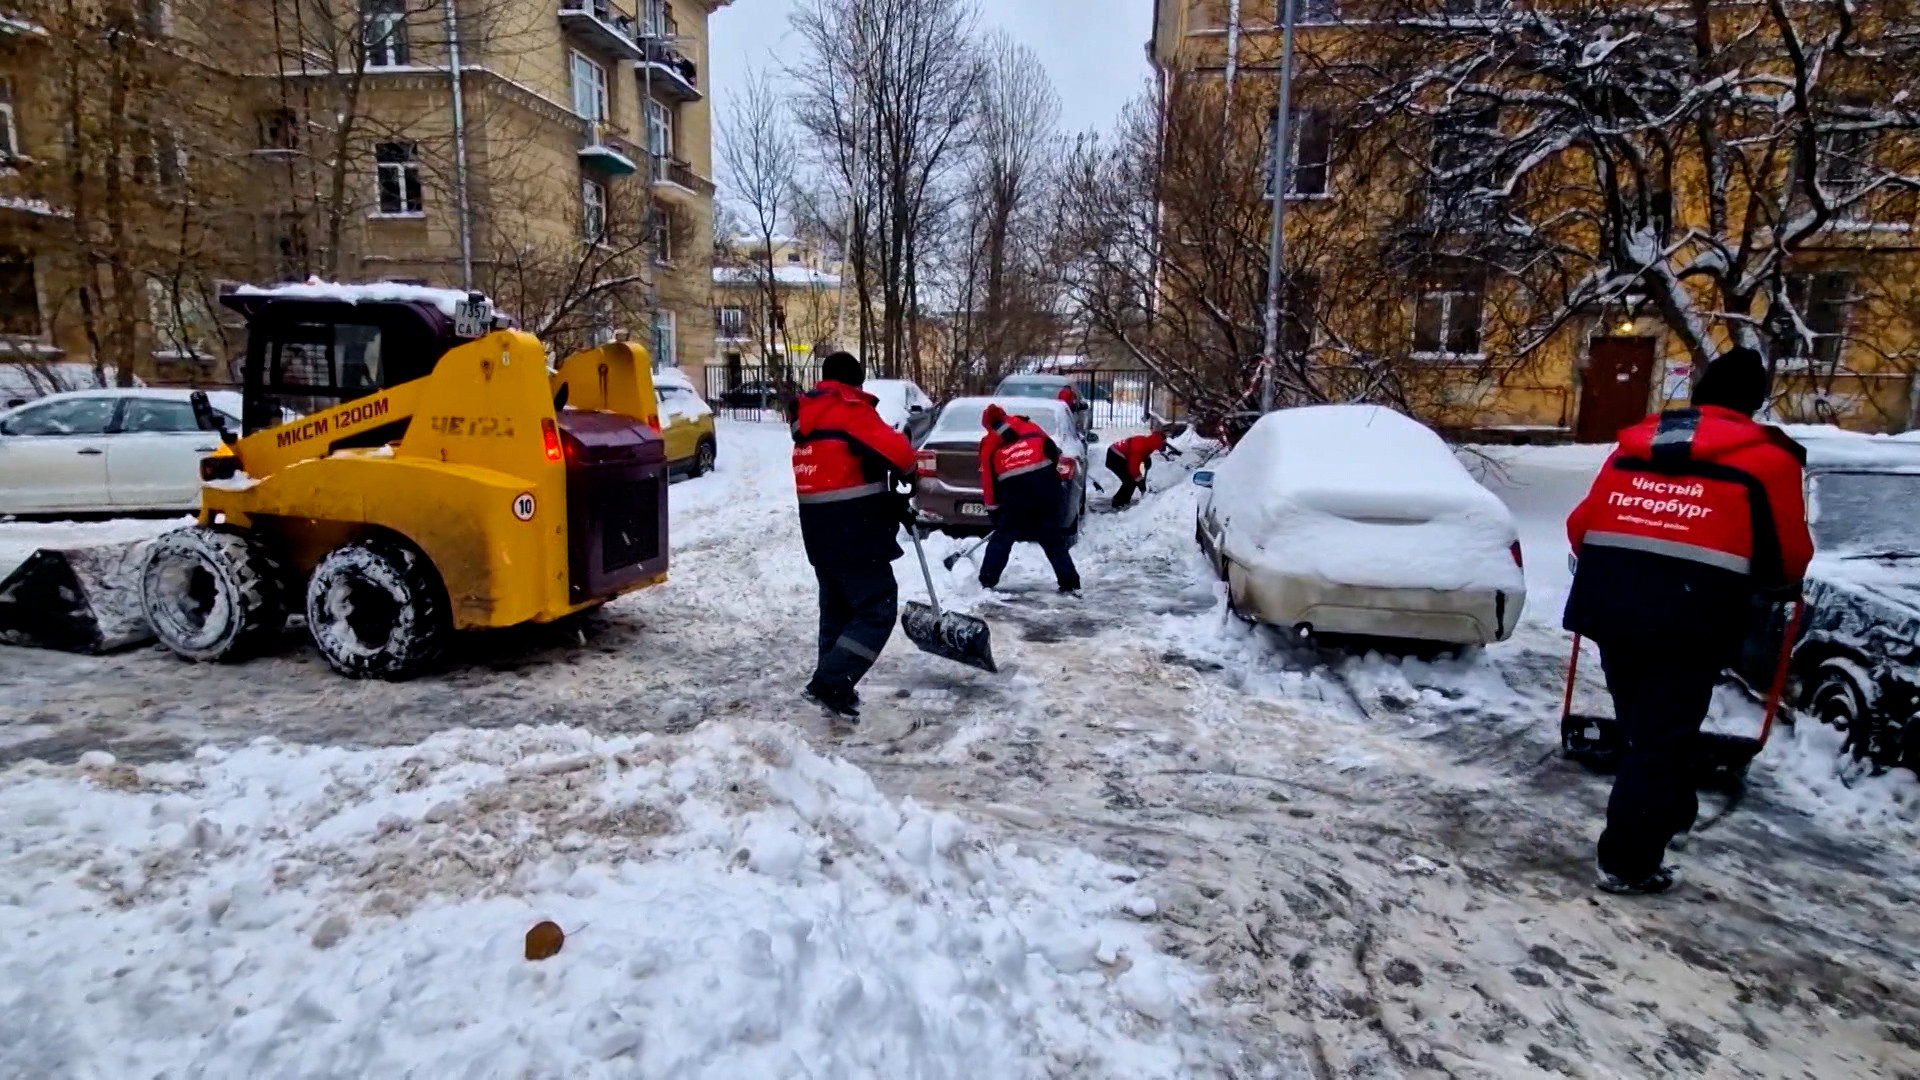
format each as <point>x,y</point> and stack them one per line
<point>84,600</point>
<point>963,639</point>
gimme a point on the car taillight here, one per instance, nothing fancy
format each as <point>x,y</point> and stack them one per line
<point>1066,468</point>
<point>550,438</point>
<point>654,423</point>
<point>927,462</point>
<point>1518,559</point>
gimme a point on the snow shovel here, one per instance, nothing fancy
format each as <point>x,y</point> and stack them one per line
<point>1598,742</point>
<point>964,639</point>
<point>953,560</point>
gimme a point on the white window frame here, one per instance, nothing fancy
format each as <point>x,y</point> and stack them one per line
<point>11,151</point>
<point>666,347</point>
<point>1449,292</point>
<point>592,92</point>
<point>593,211</point>
<point>407,181</point>
<point>385,27</point>
<point>659,129</point>
<point>730,322</point>
<point>663,236</point>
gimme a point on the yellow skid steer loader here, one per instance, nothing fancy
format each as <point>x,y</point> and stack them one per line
<point>408,470</point>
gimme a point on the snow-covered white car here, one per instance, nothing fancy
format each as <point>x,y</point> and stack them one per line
<point>1354,519</point>
<point>686,423</point>
<point>903,405</point>
<point>97,451</point>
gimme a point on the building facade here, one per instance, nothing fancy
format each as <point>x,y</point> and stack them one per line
<point>555,154</point>
<point>1420,234</point>
<point>783,302</point>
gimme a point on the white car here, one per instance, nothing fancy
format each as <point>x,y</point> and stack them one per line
<point>903,405</point>
<point>1354,519</point>
<point>102,451</point>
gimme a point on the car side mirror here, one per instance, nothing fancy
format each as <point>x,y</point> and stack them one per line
<point>1081,406</point>
<point>206,419</point>
<point>916,409</point>
<point>1092,437</point>
<point>1203,477</point>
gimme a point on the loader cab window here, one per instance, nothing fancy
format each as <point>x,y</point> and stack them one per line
<point>314,366</point>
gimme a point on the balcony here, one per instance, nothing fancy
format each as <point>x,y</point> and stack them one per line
<point>602,26</point>
<point>674,76</point>
<point>676,180</point>
<point>607,153</point>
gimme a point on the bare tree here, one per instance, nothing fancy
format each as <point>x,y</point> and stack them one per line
<point>887,90</point>
<point>758,160</point>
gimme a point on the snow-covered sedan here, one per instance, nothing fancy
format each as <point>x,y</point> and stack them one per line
<point>1354,519</point>
<point>116,450</point>
<point>948,492</point>
<point>903,405</point>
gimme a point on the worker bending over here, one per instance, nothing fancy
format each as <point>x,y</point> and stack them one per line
<point>1025,494</point>
<point>1130,459</point>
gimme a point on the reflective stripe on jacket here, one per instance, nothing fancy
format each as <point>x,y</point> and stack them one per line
<point>1015,446</point>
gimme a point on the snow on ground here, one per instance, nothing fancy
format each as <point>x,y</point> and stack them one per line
<point>736,905</point>
<point>19,539</point>
<point>1380,862</point>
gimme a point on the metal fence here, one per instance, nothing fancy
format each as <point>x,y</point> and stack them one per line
<point>1119,398</point>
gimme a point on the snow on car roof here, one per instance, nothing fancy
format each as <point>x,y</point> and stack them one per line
<point>960,418</point>
<point>379,292</point>
<point>1830,447</point>
<point>1352,458</point>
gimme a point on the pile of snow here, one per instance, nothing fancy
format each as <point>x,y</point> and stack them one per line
<point>895,399</point>
<point>447,300</point>
<point>678,398</point>
<point>1361,495</point>
<point>735,905</point>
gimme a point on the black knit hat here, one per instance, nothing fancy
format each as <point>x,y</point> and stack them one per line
<point>841,367</point>
<point>1737,381</point>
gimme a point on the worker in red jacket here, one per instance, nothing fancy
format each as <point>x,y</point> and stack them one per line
<point>1697,514</point>
<point>1130,459</point>
<point>1025,495</point>
<point>846,460</point>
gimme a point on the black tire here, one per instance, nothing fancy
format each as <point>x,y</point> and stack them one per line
<point>213,594</point>
<point>377,610</point>
<point>704,456</point>
<point>1842,699</point>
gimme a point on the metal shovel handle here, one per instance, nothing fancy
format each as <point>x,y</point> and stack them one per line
<point>932,598</point>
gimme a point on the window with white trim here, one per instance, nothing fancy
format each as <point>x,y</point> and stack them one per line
<point>384,25</point>
<point>1447,313</point>
<point>1824,302</point>
<point>730,322</point>
<point>396,168</point>
<point>1309,12</point>
<point>9,133</point>
<point>663,234</point>
<point>590,97</point>
<point>659,129</point>
<point>666,339</point>
<point>593,211</point>
<point>19,295</point>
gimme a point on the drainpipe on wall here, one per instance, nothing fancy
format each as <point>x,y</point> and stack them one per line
<point>1233,51</point>
<point>459,147</point>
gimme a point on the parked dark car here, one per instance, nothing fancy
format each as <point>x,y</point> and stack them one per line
<point>948,489</point>
<point>1856,664</point>
<point>1049,386</point>
<point>760,394</point>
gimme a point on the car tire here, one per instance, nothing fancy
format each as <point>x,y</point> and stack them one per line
<point>377,610</point>
<point>213,594</point>
<point>704,456</point>
<point>1842,698</point>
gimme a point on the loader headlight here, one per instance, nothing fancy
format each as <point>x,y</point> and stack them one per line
<point>219,467</point>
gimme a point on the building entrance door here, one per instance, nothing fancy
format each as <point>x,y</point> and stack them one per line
<point>1615,387</point>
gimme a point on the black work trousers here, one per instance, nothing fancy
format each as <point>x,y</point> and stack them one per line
<point>1052,540</point>
<point>1660,696</point>
<point>1117,462</point>
<point>858,606</point>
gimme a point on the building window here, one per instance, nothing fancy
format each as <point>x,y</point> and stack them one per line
<point>666,340</point>
<point>1308,11</point>
<point>659,129</point>
<point>731,322</point>
<point>654,18</point>
<point>1473,8</point>
<point>590,89</point>
<point>1461,163</point>
<point>1447,311</point>
<point>593,211</point>
<point>385,26</point>
<point>1845,171</point>
<point>663,234</point>
<point>397,168</point>
<point>19,295</point>
<point>1312,142</point>
<point>1824,301</point>
<point>279,130</point>
<point>9,132</point>
<point>793,258</point>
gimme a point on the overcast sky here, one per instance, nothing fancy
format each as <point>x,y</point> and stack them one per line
<point>1095,50</point>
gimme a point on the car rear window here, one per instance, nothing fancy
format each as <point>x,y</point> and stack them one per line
<point>1866,513</point>
<point>961,420</point>
<point>1029,388</point>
